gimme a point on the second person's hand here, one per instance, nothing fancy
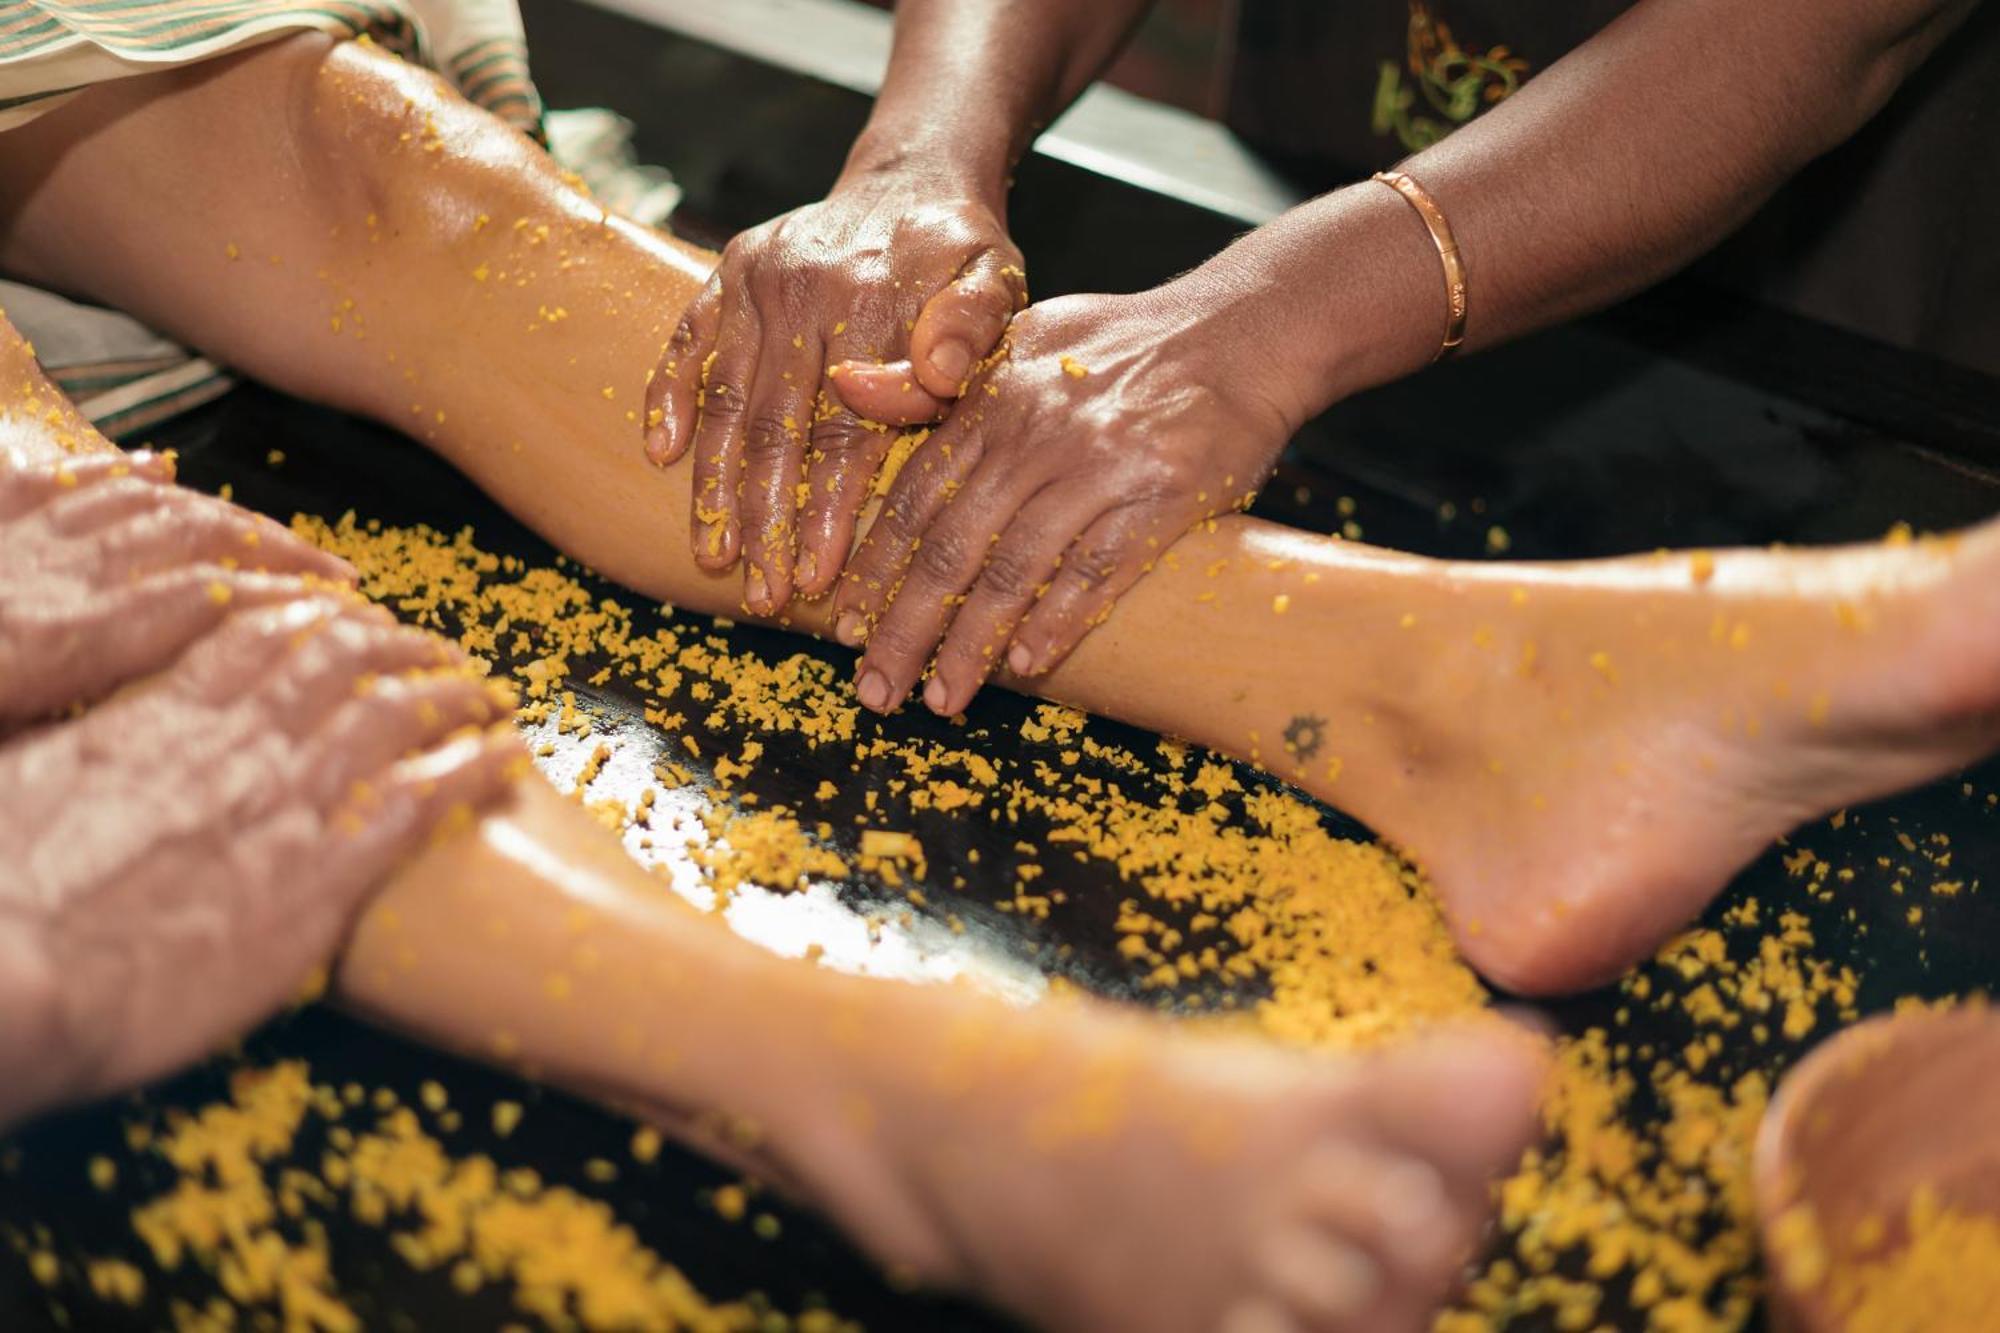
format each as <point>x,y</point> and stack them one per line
<point>899,264</point>
<point>1111,426</point>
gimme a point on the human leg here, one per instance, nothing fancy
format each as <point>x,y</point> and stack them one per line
<point>1579,755</point>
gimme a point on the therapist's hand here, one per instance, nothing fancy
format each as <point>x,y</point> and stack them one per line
<point>898,264</point>
<point>175,861</point>
<point>108,571</point>
<point>1111,426</point>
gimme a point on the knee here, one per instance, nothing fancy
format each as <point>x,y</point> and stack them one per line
<point>376,134</point>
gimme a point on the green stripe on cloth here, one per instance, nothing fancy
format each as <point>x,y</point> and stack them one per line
<point>168,31</point>
<point>461,70</point>
<point>165,27</point>
<point>481,89</point>
<point>131,408</point>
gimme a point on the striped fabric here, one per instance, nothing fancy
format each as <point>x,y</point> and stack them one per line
<point>53,49</point>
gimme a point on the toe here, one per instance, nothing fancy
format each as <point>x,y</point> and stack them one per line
<point>1398,1212</point>
<point>1396,1208</point>
<point>1320,1276</point>
<point>1465,1102</point>
<point>1259,1314</point>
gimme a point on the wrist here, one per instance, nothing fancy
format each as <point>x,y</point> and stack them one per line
<point>1241,328</point>
<point>1339,295</point>
<point>947,165</point>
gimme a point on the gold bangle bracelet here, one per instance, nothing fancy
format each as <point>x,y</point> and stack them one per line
<point>1447,248</point>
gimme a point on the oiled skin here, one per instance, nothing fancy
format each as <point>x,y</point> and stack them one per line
<point>1571,751</point>
<point>225,811</point>
<point>1239,1187</point>
<point>1575,754</point>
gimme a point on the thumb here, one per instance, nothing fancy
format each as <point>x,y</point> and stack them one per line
<point>960,326</point>
<point>886,392</point>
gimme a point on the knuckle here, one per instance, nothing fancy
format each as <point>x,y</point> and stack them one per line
<point>766,282</point>
<point>682,341</point>
<point>895,640</point>
<point>1005,573</point>
<point>745,248</point>
<point>940,558</point>
<point>1159,476</point>
<point>844,432</point>
<point>895,532</point>
<point>984,294</point>
<point>769,436</point>
<point>1092,566</point>
<point>723,403</point>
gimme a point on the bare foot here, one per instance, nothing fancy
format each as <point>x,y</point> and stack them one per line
<point>1096,1171</point>
<point>1581,756</point>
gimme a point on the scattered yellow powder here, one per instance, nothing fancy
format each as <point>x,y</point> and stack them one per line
<point>1332,942</point>
<point>567,1259</point>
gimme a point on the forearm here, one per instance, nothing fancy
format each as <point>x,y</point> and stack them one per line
<point>969,85</point>
<point>1606,172</point>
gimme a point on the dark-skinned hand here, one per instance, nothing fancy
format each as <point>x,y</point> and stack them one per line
<point>1109,427</point>
<point>891,267</point>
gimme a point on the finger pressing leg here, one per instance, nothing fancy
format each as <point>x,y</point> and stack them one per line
<point>927,482</point>
<point>1016,570</point>
<point>189,527</point>
<point>1107,558</point>
<point>344,659</point>
<point>775,444</point>
<point>845,455</point>
<point>394,718</point>
<point>672,394</point>
<point>24,488</point>
<point>137,630</point>
<point>723,400</point>
<point>83,510</point>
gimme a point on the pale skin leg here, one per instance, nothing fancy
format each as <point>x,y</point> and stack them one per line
<point>960,1140</point>
<point>1579,755</point>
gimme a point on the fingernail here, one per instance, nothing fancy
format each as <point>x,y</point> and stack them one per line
<point>1019,659</point>
<point>951,359</point>
<point>873,688</point>
<point>808,567</point>
<point>848,629</point>
<point>756,591</point>
<point>716,540</point>
<point>936,696</point>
